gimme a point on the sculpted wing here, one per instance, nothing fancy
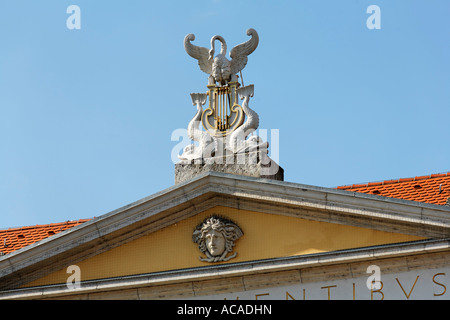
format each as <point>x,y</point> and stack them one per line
<point>199,53</point>
<point>240,52</point>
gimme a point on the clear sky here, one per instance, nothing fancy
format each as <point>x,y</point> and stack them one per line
<point>86,115</point>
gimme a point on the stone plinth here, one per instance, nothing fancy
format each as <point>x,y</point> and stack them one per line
<point>252,164</point>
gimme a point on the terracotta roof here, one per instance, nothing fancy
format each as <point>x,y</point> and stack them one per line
<point>13,239</point>
<point>434,188</point>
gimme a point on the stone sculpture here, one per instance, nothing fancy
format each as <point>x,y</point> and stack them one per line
<point>215,237</point>
<point>223,128</point>
<point>223,120</point>
<point>219,68</point>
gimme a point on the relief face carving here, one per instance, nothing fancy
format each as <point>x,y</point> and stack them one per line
<point>215,237</point>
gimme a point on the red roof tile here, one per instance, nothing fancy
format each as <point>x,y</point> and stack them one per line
<point>434,189</point>
<point>13,239</point>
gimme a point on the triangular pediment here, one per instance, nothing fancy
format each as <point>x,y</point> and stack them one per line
<point>278,220</point>
<point>266,236</point>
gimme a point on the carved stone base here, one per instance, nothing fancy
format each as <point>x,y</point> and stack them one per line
<point>253,164</point>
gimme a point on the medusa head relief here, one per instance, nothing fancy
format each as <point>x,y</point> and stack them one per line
<point>215,237</point>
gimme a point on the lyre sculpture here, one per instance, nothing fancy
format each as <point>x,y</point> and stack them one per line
<point>226,121</point>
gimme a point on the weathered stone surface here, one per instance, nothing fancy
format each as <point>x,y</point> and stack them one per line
<point>253,164</point>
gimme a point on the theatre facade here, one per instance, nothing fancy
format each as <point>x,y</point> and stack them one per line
<point>286,241</point>
<point>231,228</point>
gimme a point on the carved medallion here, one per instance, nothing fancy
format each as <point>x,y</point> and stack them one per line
<point>215,237</point>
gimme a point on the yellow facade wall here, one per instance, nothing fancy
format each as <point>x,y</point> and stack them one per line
<point>265,236</point>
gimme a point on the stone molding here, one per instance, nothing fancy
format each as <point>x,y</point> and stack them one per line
<point>251,275</point>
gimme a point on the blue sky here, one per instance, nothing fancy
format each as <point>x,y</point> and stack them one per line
<point>86,116</point>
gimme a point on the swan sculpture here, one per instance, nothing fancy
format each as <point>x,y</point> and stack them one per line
<point>220,69</point>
